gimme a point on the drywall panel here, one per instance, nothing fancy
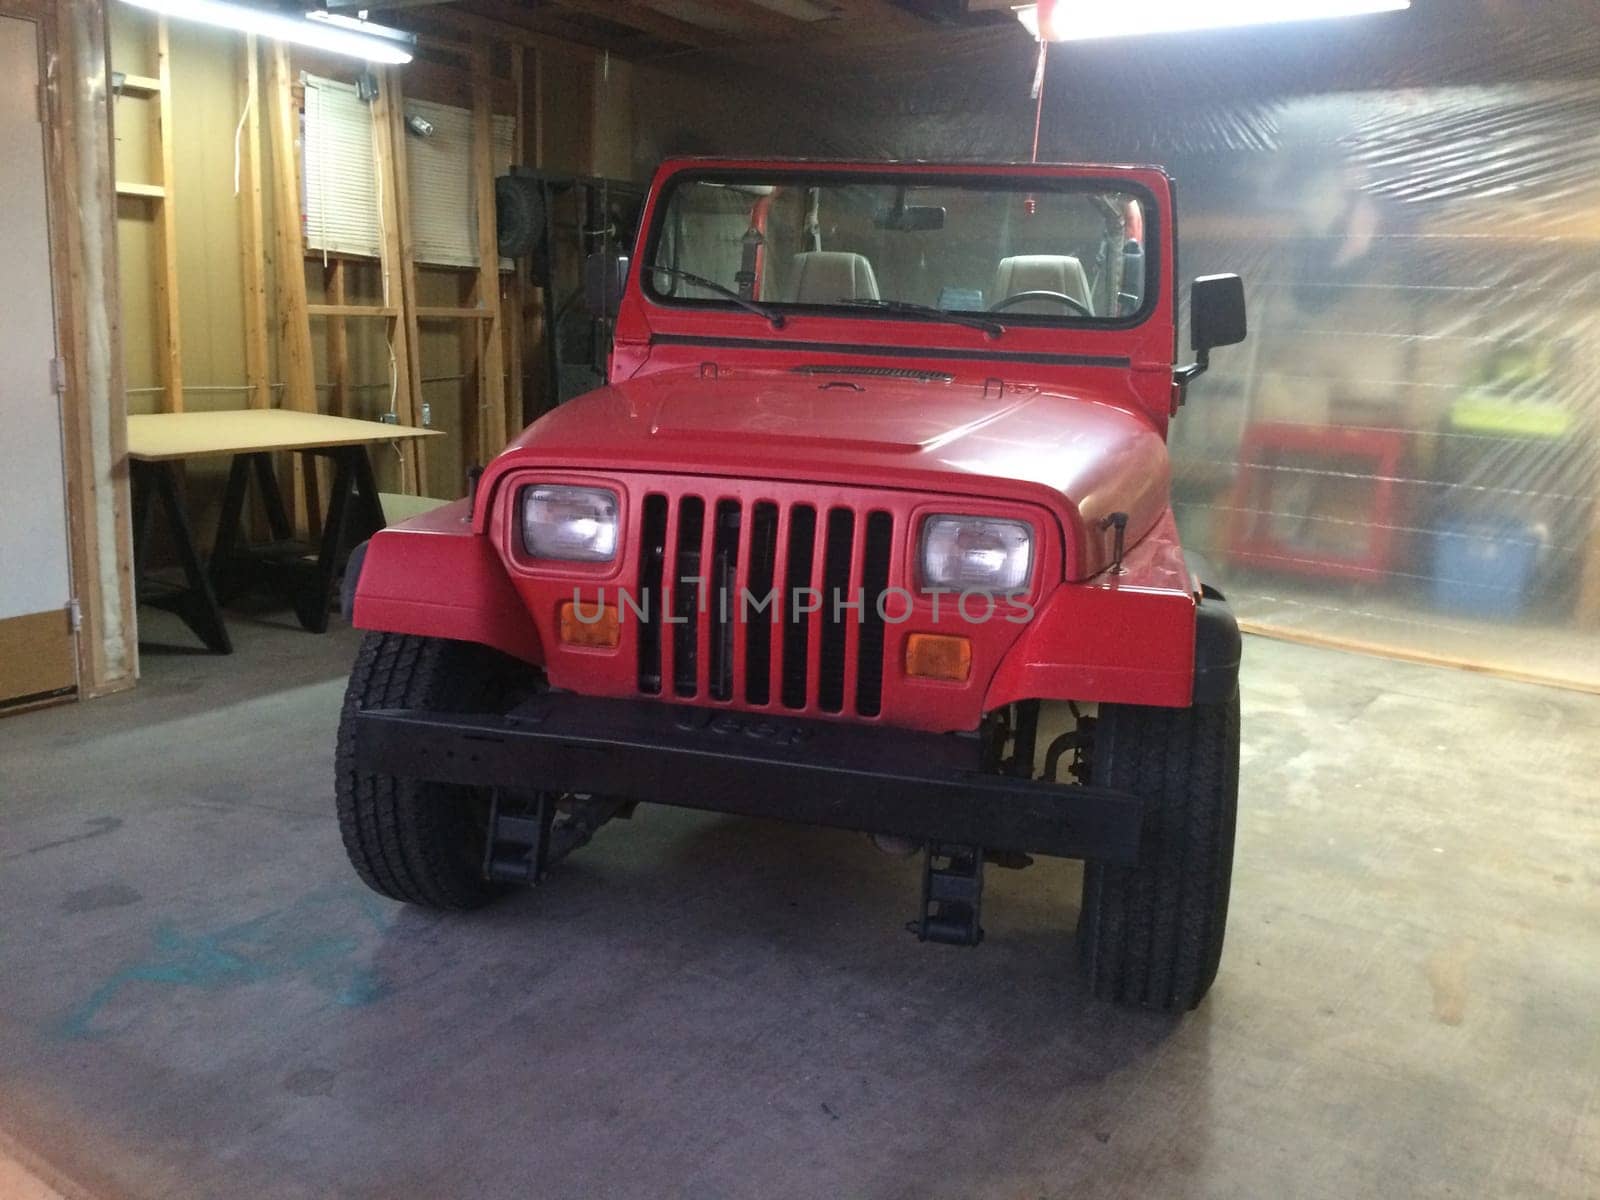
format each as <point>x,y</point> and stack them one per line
<point>33,503</point>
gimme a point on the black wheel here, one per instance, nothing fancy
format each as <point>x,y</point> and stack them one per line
<point>419,842</point>
<point>1151,935</point>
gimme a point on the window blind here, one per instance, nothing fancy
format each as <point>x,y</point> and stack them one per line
<point>444,210</point>
<point>340,183</point>
<point>339,186</point>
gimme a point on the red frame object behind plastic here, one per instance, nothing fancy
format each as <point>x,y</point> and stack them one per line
<point>1382,451</point>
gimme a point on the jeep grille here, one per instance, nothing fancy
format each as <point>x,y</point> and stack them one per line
<point>734,551</point>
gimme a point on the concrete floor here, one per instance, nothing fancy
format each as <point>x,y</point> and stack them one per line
<point>197,998</point>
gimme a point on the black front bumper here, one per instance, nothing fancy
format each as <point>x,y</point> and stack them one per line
<point>928,787</point>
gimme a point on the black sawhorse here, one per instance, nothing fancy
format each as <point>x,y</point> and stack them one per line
<point>193,600</point>
<point>282,566</point>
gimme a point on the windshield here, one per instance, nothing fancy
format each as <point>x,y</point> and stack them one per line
<point>1015,251</point>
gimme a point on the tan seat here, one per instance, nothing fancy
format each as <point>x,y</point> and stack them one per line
<point>1042,273</point>
<point>828,276</point>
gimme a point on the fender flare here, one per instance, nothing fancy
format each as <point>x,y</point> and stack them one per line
<point>351,581</point>
<point>1218,645</point>
<point>432,576</point>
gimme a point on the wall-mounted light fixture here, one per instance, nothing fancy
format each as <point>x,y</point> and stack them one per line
<point>1049,21</point>
<point>320,30</point>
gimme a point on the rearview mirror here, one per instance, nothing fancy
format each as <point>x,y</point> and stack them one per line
<point>909,218</point>
<point>604,276</point>
<point>1216,313</point>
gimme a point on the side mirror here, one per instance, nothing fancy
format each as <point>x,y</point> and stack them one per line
<point>1216,313</point>
<point>604,277</point>
<point>1216,318</point>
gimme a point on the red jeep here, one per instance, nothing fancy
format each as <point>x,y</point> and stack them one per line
<point>870,528</point>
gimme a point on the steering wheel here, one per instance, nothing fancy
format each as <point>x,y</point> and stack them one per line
<point>1058,297</point>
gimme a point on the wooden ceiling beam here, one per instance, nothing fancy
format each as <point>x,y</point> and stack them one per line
<point>756,19</point>
<point>565,23</point>
<point>646,19</point>
<point>876,13</point>
<point>459,20</point>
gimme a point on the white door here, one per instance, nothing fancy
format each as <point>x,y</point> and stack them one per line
<point>37,652</point>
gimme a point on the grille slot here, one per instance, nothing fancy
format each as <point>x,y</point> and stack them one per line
<point>724,597</point>
<point>686,596</point>
<point>796,625</point>
<point>878,546</point>
<point>758,633</point>
<point>707,566</point>
<point>835,617</point>
<point>652,560</point>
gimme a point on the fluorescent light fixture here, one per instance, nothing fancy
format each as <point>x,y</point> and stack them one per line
<point>337,35</point>
<point>1072,22</point>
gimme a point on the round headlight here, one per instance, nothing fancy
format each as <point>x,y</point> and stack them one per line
<point>979,554</point>
<point>569,524</point>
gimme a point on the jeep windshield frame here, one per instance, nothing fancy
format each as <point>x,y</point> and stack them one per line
<point>1026,189</point>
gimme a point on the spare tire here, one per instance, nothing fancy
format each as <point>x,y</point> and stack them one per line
<point>518,215</point>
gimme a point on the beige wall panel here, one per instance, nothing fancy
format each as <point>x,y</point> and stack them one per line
<point>36,656</point>
<point>205,92</point>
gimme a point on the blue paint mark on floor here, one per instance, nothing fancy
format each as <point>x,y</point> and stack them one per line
<point>318,940</point>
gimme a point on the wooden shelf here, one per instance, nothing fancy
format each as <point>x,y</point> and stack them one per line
<point>425,313</point>
<point>162,214</point>
<point>148,191</point>
<point>351,310</point>
<point>139,85</point>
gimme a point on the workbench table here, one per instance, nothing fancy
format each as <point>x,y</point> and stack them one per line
<point>159,441</point>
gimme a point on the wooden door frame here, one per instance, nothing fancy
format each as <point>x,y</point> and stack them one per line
<point>81,203</point>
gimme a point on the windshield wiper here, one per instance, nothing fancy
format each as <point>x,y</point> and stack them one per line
<point>775,319</point>
<point>907,308</point>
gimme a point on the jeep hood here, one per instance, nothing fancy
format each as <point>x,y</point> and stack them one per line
<point>1077,454</point>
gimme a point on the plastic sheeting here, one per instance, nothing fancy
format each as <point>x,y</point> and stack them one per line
<point>1404,456</point>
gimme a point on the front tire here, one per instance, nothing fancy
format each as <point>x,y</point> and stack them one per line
<point>1151,935</point>
<point>413,841</point>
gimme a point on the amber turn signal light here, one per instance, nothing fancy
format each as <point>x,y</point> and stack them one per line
<point>597,631</point>
<point>938,656</point>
